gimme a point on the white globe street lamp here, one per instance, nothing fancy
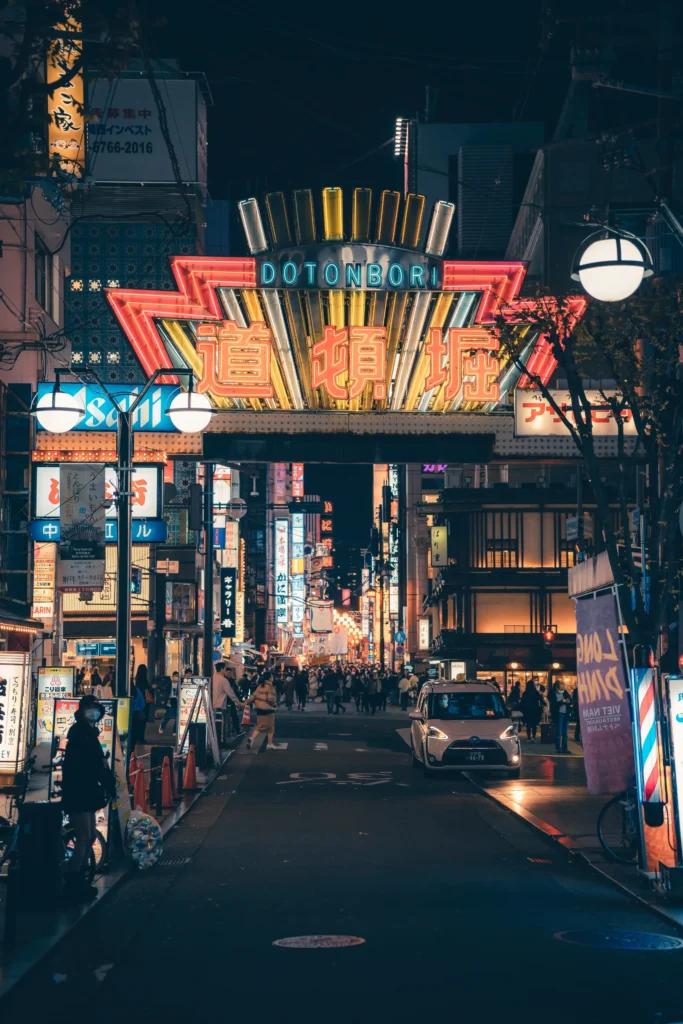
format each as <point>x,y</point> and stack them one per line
<point>59,412</point>
<point>190,412</point>
<point>612,266</point>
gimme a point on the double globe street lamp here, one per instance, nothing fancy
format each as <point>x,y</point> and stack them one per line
<point>59,412</point>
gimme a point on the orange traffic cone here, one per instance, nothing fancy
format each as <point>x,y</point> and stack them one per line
<point>190,777</point>
<point>166,790</point>
<point>139,793</point>
<point>133,769</point>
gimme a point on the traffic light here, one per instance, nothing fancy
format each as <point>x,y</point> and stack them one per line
<point>136,580</point>
<point>548,636</point>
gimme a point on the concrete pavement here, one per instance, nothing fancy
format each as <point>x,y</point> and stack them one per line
<point>462,907</point>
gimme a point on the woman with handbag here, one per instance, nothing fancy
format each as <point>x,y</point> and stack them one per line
<point>87,785</point>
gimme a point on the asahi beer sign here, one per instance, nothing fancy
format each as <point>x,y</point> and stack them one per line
<point>535,416</point>
<point>103,414</point>
<point>82,514</point>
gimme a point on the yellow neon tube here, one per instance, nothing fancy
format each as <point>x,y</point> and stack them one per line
<point>333,214</point>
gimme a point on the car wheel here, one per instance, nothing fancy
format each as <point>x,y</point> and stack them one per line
<point>514,774</point>
<point>426,770</point>
<point>416,761</point>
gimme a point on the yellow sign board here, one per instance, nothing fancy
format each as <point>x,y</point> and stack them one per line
<point>66,133</point>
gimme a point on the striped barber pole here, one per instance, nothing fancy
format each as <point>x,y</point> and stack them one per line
<point>644,680</point>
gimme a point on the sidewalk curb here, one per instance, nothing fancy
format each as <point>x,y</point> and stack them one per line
<point>573,848</point>
<point>112,880</point>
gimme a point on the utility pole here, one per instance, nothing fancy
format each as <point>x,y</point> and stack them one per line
<point>124,477</point>
<point>207,659</point>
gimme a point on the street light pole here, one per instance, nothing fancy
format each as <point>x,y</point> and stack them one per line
<point>207,657</point>
<point>124,477</point>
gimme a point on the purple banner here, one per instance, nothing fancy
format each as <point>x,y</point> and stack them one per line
<point>604,708</point>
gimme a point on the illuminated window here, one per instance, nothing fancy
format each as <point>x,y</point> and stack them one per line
<point>501,554</point>
<point>566,554</point>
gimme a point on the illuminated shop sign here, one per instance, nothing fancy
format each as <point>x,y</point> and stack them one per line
<point>281,571</point>
<point>102,414</point>
<point>145,486</point>
<point>369,267</point>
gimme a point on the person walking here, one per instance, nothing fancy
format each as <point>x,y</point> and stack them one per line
<point>289,689</point>
<point>339,695</point>
<point>577,715</point>
<point>330,691</point>
<point>313,684</point>
<point>532,709</point>
<point>87,786</point>
<point>224,696</point>
<point>357,689</point>
<point>404,690</point>
<point>301,684</point>
<point>374,689</point>
<point>560,700</point>
<point>264,699</point>
<point>103,690</point>
<point>139,713</point>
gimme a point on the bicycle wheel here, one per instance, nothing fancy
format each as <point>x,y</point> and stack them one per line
<point>618,829</point>
<point>8,837</point>
<point>98,853</point>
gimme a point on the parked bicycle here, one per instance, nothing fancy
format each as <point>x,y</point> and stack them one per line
<point>618,828</point>
<point>9,823</point>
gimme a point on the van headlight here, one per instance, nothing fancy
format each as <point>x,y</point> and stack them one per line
<point>508,733</point>
<point>437,734</point>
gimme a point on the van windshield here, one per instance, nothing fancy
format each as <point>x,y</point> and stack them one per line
<point>466,705</point>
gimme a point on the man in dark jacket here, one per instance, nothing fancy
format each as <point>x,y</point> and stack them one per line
<point>87,785</point>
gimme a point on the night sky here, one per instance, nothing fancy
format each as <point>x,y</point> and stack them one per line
<point>304,93</point>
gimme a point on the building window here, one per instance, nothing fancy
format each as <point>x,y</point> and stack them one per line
<point>181,602</point>
<point>567,553</point>
<point>501,554</point>
<point>44,271</point>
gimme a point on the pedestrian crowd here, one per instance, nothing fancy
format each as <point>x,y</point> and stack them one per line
<point>559,704</point>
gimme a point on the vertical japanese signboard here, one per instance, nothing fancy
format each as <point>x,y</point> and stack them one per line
<point>53,683</point>
<point>43,583</point>
<point>228,603</point>
<point>82,515</point>
<point>604,707</point>
<point>14,709</point>
<point>281,571</point>
<point>66,128</point>
<point>423,634</point>
<point>439,539</point>
<point>298,578</point>
<point>297,479</point>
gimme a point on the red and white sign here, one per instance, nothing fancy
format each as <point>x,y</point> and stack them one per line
<point>535,416</point>
<point>297,479</point>
<point>47,489</point>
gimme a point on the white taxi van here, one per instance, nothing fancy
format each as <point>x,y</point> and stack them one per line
<point>465,726</point>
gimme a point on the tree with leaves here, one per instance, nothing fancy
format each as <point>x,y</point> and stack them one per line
<point>632,350</point>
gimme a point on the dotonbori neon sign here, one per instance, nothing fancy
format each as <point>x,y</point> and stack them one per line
<point>369,267</point>
<point>359,313</point>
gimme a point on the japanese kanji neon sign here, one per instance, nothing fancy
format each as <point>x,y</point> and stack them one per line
<point>236,362</point>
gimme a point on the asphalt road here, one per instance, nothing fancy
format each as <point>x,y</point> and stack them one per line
<point>458,901</point>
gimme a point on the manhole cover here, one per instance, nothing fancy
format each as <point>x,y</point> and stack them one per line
<point>319,941</point>
<point>621,940</point>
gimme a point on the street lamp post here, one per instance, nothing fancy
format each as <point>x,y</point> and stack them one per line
<point>59,412</point>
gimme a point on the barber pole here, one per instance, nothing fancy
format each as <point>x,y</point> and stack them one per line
<point>643,681</point>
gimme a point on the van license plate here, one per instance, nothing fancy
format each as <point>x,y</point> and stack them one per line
<point>475,756</point>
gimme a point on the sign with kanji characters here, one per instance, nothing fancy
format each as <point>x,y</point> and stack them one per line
<point>228,603</point>
<point>281,571</point>
<point>42,608</point>
<point>439,546</point>
<point>297,479</point>
<point>82,515</point>
<point>145,487</point>
<point>536,417</point>
<point>125,139</point>
<point>53,683</point>
<point>66,116</point>
<point>15,703</point>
